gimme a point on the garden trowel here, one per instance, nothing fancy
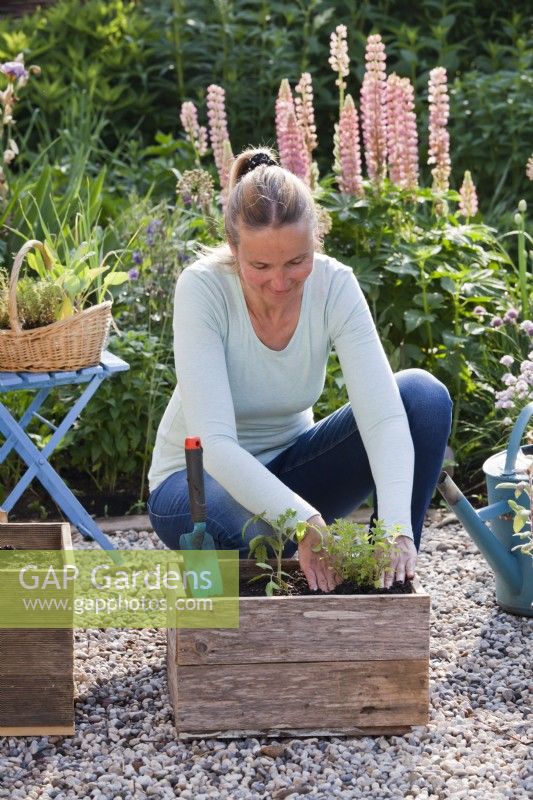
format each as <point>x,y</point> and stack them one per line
<point>200,559</point>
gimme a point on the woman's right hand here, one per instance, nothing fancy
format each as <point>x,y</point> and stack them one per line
<point>317,566</point>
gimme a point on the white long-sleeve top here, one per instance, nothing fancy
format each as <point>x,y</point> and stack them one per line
<point>247,402</point>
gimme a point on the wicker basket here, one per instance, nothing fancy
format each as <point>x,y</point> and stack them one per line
<point>68,344</point>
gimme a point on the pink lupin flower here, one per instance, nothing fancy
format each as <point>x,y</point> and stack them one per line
<point>439,138</point>
<point>227,161</point>
<point>339,58</point>
<point>374,110</point>
<point>305,114</point>
<point>218,127</point>
<point>529,167</point>
<point>293,153</point>
<point>468,204</point>
<point>350,178</point>
<point>284,104</point>
<point>402,136</point>
<point>196,133</point>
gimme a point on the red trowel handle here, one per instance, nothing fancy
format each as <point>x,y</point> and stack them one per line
<point>195,478</point>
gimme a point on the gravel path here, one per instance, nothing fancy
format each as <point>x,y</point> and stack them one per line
<point>477,744</point>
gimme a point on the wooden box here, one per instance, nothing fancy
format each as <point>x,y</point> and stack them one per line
<point>36,665</point>
<point>322,665</point>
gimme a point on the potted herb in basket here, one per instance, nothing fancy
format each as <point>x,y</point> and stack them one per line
<point>60,320</point>
<point>306,664</point>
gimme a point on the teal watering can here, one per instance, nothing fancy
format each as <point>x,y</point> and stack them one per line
<point>513,568</point>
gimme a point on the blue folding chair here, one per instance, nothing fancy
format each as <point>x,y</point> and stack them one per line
<point>18,440</point>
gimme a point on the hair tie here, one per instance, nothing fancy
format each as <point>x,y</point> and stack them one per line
<point>256,161</point>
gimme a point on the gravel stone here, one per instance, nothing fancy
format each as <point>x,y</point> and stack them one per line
<point>475,746</point>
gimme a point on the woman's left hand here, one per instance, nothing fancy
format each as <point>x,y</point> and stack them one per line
<point>402,564</point>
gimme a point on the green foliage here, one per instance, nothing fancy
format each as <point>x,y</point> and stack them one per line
<point>490,124</point>
<point>103,49</point>
<point>160,240</point>
<point>522,513</point>
<point>114,73</point>
<point>113,440</point>
<point>423,275</point>
<point>76,260</point>
<point>360,554</point>
<point>284,531</point>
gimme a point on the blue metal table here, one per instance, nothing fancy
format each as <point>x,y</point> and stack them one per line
<point>18,440</point>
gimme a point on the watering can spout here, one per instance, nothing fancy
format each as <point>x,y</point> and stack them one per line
<point>501,560</point>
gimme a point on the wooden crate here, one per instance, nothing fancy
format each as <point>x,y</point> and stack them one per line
<point>323,665</point>
<point>36,665</point>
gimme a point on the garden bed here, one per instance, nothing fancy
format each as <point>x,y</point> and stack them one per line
<point>306,665</point>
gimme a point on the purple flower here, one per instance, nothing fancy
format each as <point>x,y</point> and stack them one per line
<point>527,326</point>
<point>151,230</point>
<point>479,311</point>
<point>133,274</point>
<point>13,70</point>
<point>137,257</point>
<point>506,361</point>
<point>521,389</point>
<point>510,315</point>
<point>496,322</point>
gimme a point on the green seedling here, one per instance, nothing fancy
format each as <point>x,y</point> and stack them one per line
<point>282,533</point>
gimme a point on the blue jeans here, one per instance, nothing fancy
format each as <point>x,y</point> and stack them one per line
<point>327,465</point>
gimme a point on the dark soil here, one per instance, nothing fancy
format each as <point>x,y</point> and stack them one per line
<point>299,586</point>
<point>36,503</point>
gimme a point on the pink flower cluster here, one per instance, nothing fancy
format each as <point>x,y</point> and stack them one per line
<point>196,133</point>
<point>218,132</point>
<point>439,138</point>
<point>468,204</point>
<point>350,179</point>
<point>374,108</point>
<point>518,387</point>
<point>402,136</point>
<point>305,113</point>
<point>339,59</point>
<point>294,154</point>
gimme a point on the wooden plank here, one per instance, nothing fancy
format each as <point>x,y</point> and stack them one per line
<point>112,363</point>
<point>33,535</point>
<point>34,378</point>
<point>362,694</point>
<point>36,665</point>
<point>172,672</point>
<point>291,733</point>
<point>32,730</point>
<point>9,380</point>
<point>36,651</point>
<point>33,700</point>
<point>310,629</point>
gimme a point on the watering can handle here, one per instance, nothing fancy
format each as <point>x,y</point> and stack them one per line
<point>516,438</point>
